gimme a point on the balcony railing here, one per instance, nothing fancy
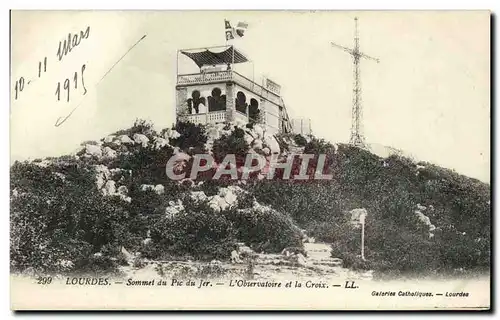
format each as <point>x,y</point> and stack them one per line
<point>206,77</point>
<point>204,118</point>
<point>228,75</point>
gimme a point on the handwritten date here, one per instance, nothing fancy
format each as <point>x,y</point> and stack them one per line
<point>67,85</point>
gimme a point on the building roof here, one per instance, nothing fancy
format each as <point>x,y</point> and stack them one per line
<point>208,57</point>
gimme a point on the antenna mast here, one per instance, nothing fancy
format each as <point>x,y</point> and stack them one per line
<point>357,136</point>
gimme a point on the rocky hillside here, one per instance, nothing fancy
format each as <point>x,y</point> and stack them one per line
<point>81,212</point>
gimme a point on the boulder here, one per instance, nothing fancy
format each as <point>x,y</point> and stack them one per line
<point>248,138</point>
<point>198,196</point>
<point>235,257</point>
<point>125,198</point>
<point>102,175</point>
<point>141,139</point>
<point>124,139</point>
<point>109,139</point>
<point>173,209</point>
<point>217,203</point>
<point>171,134</point>
<point>300,260</point>
<point>421,207</point>
<point>60,175</point>
<point>93,150</point>
<point>266,151</point>
<point>122,190</point>
<point>159,189</point>
<point>246,250</point>
<point>160,143</point>
<point>65,264</point>
<point>423,218</point>
<point>109,153</point>
<point>145,187</point>
<point>109,188</point>
<point>229,196</point>
<point>427,221</point>
<point>225,199</point>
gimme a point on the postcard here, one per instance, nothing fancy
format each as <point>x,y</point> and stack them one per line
<point>250,160</point>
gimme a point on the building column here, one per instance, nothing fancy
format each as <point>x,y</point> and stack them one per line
<point>262,113</point>
<point>181,102</point>
<point>230,106</point>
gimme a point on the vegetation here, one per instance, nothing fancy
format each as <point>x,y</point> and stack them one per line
<point>61,222</point>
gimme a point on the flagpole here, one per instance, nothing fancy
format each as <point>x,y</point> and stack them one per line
<point>232,62</point>
<point>253,75</point>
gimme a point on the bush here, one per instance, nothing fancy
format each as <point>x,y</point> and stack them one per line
<point>148,165</point>
<point>268,231</point>
<point>330,231</point>
<point>61,220</point>
<point>97,265</point>
<point>58,216</point>
<point>231,144</point>
<point>300,140</point>
<point>201,233</point>
<point>192,138</point>
<point>210,271</point>
<point>283,141</point>
<point>140,126</point>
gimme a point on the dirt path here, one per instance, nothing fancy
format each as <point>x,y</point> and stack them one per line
<point>319,265</point>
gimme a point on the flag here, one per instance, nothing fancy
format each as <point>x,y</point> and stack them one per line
<point>241,28</point>
<point>239,31</point>
<point>229,31</point>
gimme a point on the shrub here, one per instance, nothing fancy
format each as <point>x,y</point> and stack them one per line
<point>231,144</point>
<point>300,140</point>
<point>148,165</point>
<point>283,140</point>
<point>61,219</point>
<point>57,215</point>
<point>192,137</point>
<point>97,265</point>
<point>210,271</point>
<point>268,230</point>
<point>201,233</point>
<point>140,126</point>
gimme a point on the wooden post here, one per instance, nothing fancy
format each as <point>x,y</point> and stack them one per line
<point>363,240</point>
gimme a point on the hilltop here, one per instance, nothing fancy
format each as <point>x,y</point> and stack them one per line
<point>92,210</point>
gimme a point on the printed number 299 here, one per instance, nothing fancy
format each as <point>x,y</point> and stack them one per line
<point>44,280</point>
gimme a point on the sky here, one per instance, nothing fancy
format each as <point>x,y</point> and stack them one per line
<point>429,95</point>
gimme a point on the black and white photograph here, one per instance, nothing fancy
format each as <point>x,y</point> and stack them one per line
<point>250,160</point>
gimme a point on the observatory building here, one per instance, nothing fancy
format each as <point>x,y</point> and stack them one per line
<point>219,94</point>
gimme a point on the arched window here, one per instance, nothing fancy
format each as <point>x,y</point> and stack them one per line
<point>241,102</point>
<point>196,99</point>
<point>216,92</point>
<point>253,110</point>
<point>216,101</point>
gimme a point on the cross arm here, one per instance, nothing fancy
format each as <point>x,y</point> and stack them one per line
<point>368,57</point>
<point>342,47</point>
